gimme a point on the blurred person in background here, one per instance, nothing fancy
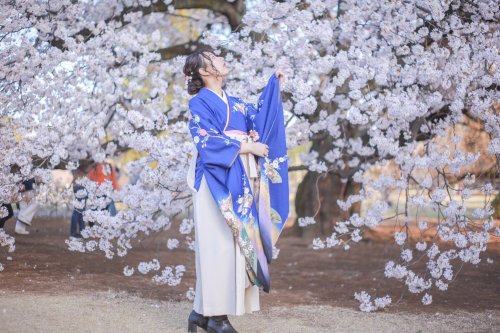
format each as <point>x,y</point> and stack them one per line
<point>6,213</point>
<point>79,205</point>
<point>27,207</point>
<point>101,172</point>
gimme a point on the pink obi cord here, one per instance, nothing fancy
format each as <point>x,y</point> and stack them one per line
<point>236,132</point>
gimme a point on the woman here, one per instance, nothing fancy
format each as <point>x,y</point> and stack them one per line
<point>240,203</point>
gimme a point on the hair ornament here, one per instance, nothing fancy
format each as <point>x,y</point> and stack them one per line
<point>190,76</point>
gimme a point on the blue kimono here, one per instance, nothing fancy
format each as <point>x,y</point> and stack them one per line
<point>256,216</point>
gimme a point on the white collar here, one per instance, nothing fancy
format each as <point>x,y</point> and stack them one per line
<point>224,97</point>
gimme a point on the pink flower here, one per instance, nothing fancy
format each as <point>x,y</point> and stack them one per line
<point>254,135</point>
<point>203,132</point>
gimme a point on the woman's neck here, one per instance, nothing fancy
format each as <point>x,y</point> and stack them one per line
<point>216,87</point>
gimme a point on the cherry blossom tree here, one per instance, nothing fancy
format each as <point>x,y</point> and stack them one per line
<point>370,85</point>
<point>379,84</point>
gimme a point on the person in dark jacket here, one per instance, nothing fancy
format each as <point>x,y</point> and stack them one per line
<point>77,223</point>
<point>10,213</point>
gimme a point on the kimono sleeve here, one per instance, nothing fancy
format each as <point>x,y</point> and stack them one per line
<point>256,114</point>
<point>214,147</point>
<point>251,112</point>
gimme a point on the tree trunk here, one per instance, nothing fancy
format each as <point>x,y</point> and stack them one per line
<point>330,189</point>
<point>496,206</point>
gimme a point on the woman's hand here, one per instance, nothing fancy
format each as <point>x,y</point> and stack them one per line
<point>281,76</point>
<point>256,148</point>
<point>260,149</point>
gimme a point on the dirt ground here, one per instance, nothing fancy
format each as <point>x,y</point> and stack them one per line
<point>46,288</point>
<point>111,312</point>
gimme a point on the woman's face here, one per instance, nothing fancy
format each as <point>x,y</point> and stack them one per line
<point>218,63</point>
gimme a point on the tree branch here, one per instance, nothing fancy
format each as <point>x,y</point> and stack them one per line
<point>179,49</point>
<point>232,11</point>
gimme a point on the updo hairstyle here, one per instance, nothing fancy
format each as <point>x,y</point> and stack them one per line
<point>196,60</point>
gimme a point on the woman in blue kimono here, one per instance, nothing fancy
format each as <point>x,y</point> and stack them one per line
<point>239,178</point>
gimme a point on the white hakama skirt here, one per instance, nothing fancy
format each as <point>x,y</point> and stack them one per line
<point>222,284</point>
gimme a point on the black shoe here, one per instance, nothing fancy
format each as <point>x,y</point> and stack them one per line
<point>196,320</point>
<point>220,324</point>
